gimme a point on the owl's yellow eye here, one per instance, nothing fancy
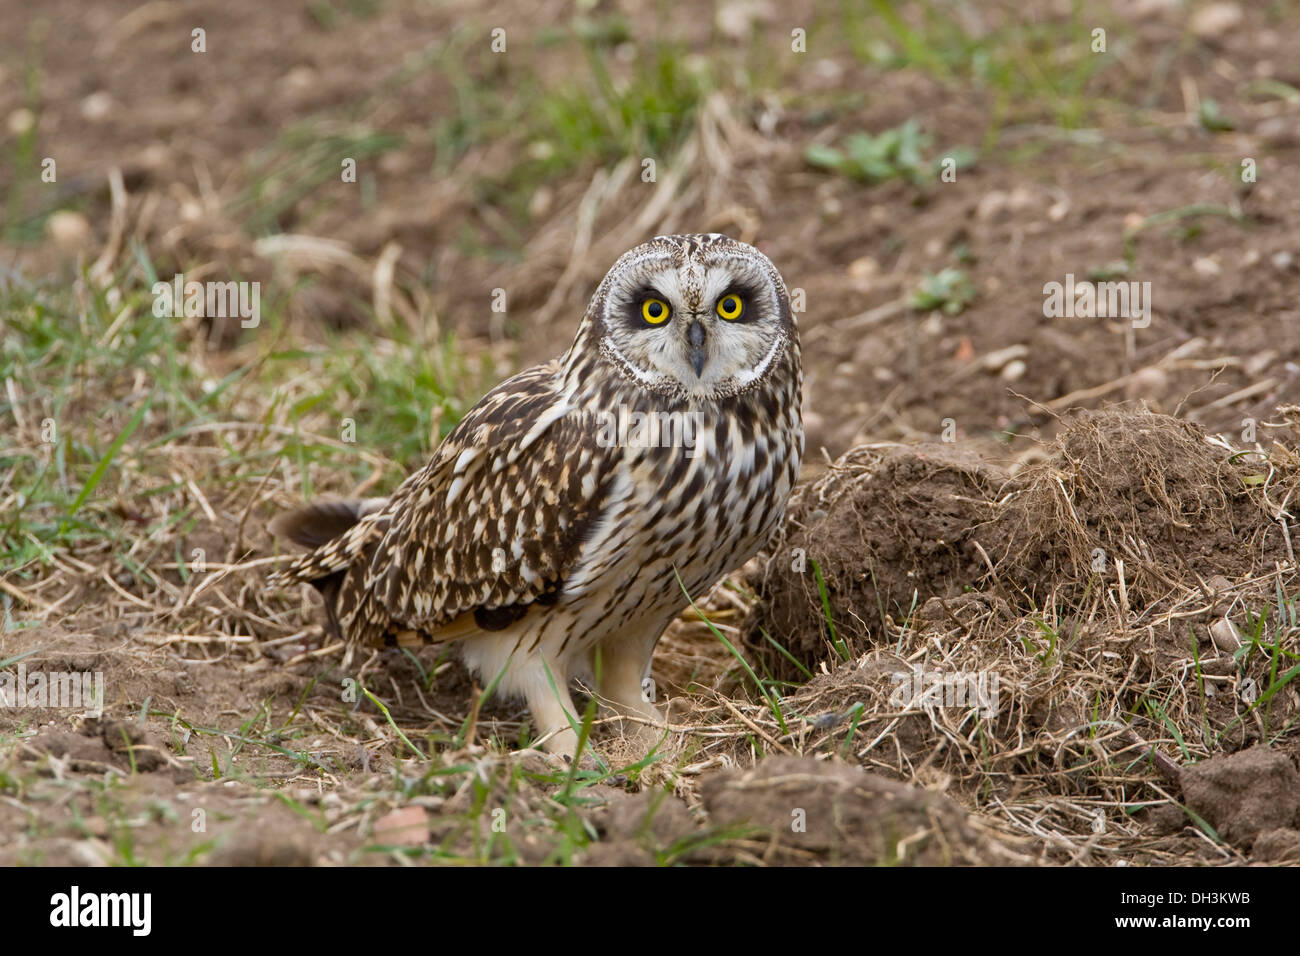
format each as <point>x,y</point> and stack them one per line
<point>730,307</point>
<point>654,311</point>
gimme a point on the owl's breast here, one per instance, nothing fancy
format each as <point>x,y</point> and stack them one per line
<point>691,499</point>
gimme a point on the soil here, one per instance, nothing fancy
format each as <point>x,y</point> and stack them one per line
<point>963,469</point>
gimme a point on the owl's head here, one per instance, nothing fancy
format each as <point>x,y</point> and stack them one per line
<point>696,317</point>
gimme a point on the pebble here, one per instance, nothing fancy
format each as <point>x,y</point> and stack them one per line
<point>1224,635</point>
<point>408,826</point>
<point>1215,19</point>
<point>96,107</point>
<point>1206,267</point>
<point>69,230</point>
<point>299,79</point>
<point>992,361</point>
<point>864,269</point>
<point>20,121</point>
<point>1014,370</point>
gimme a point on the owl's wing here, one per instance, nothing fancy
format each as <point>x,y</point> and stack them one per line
<point>498,518</point>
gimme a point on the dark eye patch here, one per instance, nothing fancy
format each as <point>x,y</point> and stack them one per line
<point>632,307</point>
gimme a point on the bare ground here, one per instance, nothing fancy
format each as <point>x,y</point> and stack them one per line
<point>1132,725</point>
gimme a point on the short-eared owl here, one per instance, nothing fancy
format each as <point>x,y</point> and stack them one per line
<point>558,516</point>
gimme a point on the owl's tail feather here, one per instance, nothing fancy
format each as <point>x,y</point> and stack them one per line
<point>330,529</point>
<point>335,533</point>
<point>319,523</point>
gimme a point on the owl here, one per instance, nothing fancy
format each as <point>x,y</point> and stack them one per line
<point>560,526</point>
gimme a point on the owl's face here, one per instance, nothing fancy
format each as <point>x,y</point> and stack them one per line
<point>699,316</point>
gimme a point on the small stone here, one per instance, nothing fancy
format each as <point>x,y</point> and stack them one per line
<point>20,121</point>
<point>96,107</point>
<point>92,852</point>
<point>1205,267</point>
<point>1215,19</point>
<point>408,826</point>
<point>69,230</point>
<point>298,79</point>
<point>1014,370</point>
<point>1282,260</point>
<point>992,361</point>
<point>1224,635</point>
<point>864,269</point>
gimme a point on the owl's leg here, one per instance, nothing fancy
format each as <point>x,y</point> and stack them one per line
<point>516,666</point>
<point>625,683</point>
<point>552,709</point>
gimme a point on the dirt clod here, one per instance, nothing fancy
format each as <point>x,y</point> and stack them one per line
<point>884,531</point>
<point>1244,794</point>
<point>809,810</point>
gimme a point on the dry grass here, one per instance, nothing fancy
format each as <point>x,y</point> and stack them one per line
<point>1112,676</point>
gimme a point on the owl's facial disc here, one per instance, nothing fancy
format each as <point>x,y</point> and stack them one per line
<point>707,325</point>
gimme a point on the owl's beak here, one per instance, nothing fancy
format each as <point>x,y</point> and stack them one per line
<point>695,338</point>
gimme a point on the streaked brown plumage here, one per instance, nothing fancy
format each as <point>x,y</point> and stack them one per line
<point>540,531</point>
